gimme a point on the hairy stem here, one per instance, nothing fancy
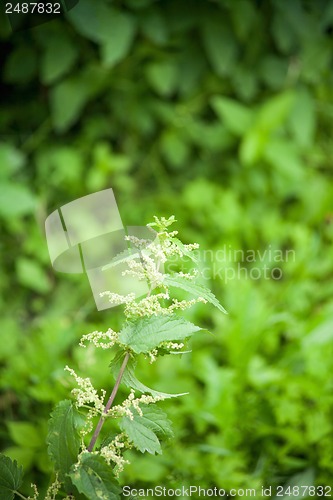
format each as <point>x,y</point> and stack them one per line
<point>109,403</point>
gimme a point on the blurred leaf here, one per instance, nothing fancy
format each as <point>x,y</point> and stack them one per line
<point>283,155</point>
<point>220,45</point>
<point>321,335</point>
<point>69,97</point>
<point>284,35</point>
<point>32,275</point>
<point>236,117</point>
<point>113,29</point>
<point>15,200</point>
<point>174,148</point>
<point>21,65</point>
<point>163,77</point>
<point>121,35</point>
<point>11,160</point>
<point>92,19</point>
<point>154,25</point>
<point>252,146</point>
<point>244,18</point>
<point>303,119</point>
<point>58,58</point>
<point>10,478</point>
<point>274,111</point>
<point>24,434</point>
<point>273,71</point>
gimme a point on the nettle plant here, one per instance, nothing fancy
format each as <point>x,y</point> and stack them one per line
<point>88,437</point>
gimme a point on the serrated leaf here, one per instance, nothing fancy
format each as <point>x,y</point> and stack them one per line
<point>142,438</point>
<point>184,250</point>
<point>194,289</point>
<point>129,379</point>
<point>94,478</point>
<point>156,419</point>
<point>144,431</point>
<point>145,334</point>
<point>10,477</point>
<point>63,438</point>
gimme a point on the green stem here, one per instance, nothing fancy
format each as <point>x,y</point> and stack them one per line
<point>109,403</point>
<point>19,495</point>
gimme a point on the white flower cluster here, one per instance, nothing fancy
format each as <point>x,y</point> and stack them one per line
<point>86,394</point>
<point>36,494</point>
<point>147,306</point>
<point>125,409</point>
<point>96,338</point>
<point>145,269</point>
<point>188,276</point>
<point>53,489</point>
<point>151,306</point>
<point>117,299</point>
<point>152,355</point>
<point>173,345</point>
<point>113,452</point>
<point>145,265</point>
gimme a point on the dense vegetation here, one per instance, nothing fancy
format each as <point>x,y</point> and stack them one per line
<point>220,113</point>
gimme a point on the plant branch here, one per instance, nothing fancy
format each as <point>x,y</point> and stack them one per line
<point>109,403</point>
<point>19,495</point>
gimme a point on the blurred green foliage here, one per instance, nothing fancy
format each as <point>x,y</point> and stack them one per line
<point>219,112</point>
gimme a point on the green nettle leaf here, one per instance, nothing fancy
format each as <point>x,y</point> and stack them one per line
<point>10,477</point>
<point>58,58</point>
<point>94,478</point>
<point>275,111</point>
<point>220,45</point>
<point>121,34</point>
<point>16,200</point>
<point>163,77</point>
<point>70,96</point>
<point>112,29</point>
<point>63,438</point>
<point>194,289</point>
<point>188,253</point>
<point>157,420</point>
<point>144,431</point>
<point>130,380</point>
<point>32,275</point>
<point>145,334</point>
<point>237,117</point>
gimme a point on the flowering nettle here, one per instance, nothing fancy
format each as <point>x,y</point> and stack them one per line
<point>152,327</point>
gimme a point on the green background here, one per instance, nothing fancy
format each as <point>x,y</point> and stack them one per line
<point>219,112</point>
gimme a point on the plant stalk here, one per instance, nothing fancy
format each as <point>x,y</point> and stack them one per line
<point>108,404</point>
